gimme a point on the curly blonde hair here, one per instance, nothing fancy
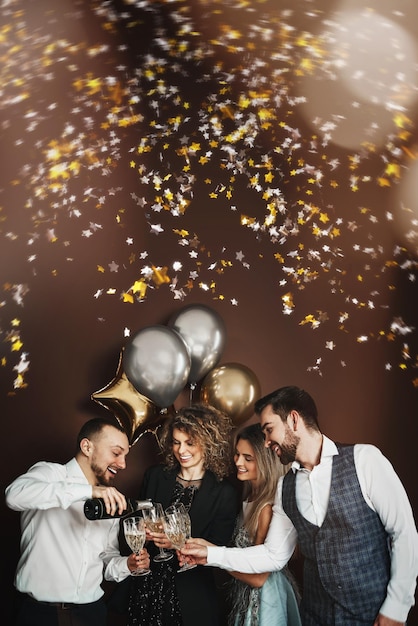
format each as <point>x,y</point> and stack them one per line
<point>206,426</point>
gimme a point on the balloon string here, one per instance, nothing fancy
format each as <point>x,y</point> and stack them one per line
<point>154,432</point>
<point>149,430</point>
<point>192,388</point>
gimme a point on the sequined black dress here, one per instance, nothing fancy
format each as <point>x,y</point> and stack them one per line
<point>168,598</point>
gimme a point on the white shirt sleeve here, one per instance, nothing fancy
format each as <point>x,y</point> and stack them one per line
<point>272,555</point>
<point>116,566</point>
<point>46,485</point>
<point>385,494</point>
<point>50,498</point>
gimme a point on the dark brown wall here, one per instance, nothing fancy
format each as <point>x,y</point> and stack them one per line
<point>40,422</point>
<point>362,279</point>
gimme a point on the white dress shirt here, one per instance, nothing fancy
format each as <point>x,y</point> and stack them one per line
<point>383,492</point>
<point>63,554</point>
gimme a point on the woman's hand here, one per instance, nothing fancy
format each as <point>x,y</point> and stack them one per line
<point>160,539</point>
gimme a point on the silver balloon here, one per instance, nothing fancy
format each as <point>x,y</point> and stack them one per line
<point>157,363</point>
<point>204,333</point>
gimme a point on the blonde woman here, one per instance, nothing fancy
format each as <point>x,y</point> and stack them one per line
<point>267,599</point>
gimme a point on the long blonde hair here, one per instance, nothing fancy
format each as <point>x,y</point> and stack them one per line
<point>269,471</point>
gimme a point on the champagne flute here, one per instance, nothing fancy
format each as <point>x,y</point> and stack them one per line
<point>177,527</point>
<point>187,525</point>
<point>153,521</point>
<point>134,531</point>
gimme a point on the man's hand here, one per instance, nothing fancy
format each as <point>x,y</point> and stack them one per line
<point>382,620</point>
<point>114,500</point>
<point>196,551</point>
<point>138,561</point>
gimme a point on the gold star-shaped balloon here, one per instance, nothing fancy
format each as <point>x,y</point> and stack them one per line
<point>135,413</point>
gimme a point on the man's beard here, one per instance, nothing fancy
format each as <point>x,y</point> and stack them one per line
<point>288,448</point>
<point>101,477</point>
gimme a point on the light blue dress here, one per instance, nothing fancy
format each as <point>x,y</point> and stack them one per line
<point>274,604</point>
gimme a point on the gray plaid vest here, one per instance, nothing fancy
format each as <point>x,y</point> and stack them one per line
<point>346,560</point>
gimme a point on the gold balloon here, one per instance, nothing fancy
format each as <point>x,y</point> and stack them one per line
<point>233,389</point>
<point>134,412</point>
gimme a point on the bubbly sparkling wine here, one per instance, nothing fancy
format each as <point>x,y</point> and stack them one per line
<point>154,527</point>
<point>187,528</point>
<point>177,538</point>
<point>135,541</point>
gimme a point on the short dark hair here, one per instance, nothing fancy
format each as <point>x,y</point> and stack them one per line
<point>95,426</point>
<point>286,399</point>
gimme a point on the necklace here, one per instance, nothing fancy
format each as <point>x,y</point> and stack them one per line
<point>189,480</point>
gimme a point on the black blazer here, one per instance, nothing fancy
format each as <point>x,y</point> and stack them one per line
<point>214,508</point>
<point>213,514</point>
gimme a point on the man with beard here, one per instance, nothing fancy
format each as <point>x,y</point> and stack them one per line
<point>64,555</point>
<point>350,514</point>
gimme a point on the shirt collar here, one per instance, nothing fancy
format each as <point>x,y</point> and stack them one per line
<point>329,449</point>
<point>74,470</point>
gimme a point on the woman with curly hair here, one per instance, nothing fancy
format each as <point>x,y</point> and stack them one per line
<point>196,450</point>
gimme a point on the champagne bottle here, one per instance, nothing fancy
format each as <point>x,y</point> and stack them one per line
<point>94,508</point>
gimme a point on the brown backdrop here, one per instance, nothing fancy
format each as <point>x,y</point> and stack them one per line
<point>319,292</point>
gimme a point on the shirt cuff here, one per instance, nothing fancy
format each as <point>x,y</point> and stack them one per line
<point>394,610</point>
<point>117,570</point>
<point>215,555</point>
